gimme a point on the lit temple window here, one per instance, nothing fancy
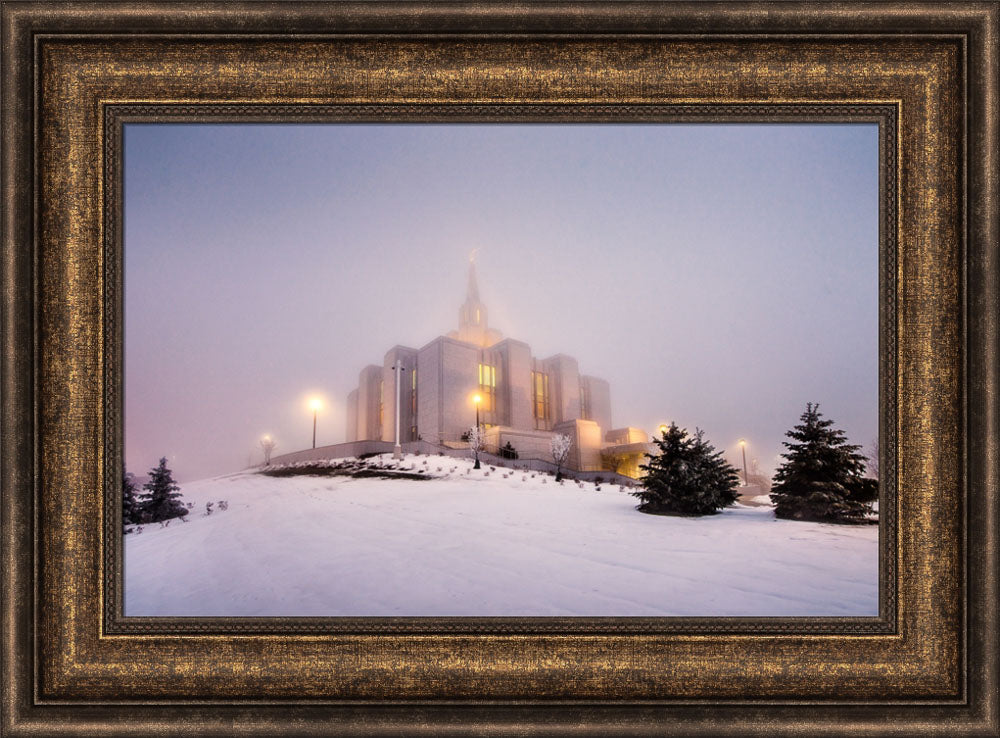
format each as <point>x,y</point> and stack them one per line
<point>540,391</point>
<point>487,375</point>
<point>487,386</point>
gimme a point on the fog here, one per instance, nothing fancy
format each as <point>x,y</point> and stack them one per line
<point>718,276</point>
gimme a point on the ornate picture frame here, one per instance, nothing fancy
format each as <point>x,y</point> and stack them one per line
<point>75,73</point>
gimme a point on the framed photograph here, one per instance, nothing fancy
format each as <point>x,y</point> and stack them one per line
<point>394,368</point>
<point>469,472</point>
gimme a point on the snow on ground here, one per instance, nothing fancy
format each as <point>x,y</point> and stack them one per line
<point>470,544</point>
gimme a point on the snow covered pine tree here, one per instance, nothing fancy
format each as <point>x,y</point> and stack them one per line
<point>131,512</point>
<point>822,477</point>
<point>687,477</point>
<point>162,500</point>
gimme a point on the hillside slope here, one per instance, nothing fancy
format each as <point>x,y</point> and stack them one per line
<point>469,544</point>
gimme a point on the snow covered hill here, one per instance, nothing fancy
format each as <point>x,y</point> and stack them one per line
<point>476,543</point>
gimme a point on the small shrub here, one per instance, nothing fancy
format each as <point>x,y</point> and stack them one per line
<point>507,451</point>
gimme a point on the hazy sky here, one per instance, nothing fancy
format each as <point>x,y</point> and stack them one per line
<point>720,276</point>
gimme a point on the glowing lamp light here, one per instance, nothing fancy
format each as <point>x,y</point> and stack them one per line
<point>315,404</point>
<point>663,428</point>
<point>743,448</point>
<point>477,399</point>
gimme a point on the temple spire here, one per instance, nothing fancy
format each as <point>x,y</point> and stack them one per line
<point>473,325</point>
<point>472,292</point>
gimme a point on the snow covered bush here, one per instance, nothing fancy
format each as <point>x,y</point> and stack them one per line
<point>559,446</point>
<point>267,445</point>
<point>507,451</point>
<point>477,439</point>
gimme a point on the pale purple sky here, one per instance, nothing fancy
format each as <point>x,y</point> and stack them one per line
<point>720,276</point>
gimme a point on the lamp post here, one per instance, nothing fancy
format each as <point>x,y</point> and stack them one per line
<point>743,447</point>
<point>315,404</point>
<point>663,428</point>
<point>476,401</point>
<point>397,450</point>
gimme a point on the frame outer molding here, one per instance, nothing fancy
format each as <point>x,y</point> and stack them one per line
<point>982,227</point>
<point>977,714</point>
<point>74,664</point>
<point>19,431</point>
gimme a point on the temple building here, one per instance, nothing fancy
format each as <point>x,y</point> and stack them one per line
<point>523,400</point>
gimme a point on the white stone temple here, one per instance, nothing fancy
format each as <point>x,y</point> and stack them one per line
<point>523,400</point>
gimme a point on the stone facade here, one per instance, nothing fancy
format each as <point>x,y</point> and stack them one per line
<point>523,400</point>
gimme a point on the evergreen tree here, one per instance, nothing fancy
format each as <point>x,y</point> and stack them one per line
<point>131,513</point>
<point>162,501</point>
<point>821,478</point>
<point>687,477</point>
<point>863,490</point>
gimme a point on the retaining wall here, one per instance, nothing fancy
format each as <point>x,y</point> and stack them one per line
<point>357,448</point>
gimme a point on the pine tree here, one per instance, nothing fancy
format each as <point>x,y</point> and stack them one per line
<point>162,501</point>
<point>131,513</point>
<point>822,474</point>
<point>687,477</point>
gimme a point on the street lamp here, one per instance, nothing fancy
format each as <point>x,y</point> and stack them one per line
<point>663,428</point>
<point>397,450</point>
<point>743,447</point>
<point>476,400</point>
<point>315,404</point>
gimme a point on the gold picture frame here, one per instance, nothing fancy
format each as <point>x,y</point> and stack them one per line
<point>74,73</point>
